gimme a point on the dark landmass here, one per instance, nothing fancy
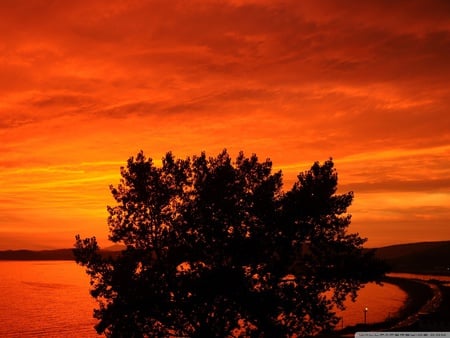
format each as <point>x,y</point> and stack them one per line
<point>41,255</point>
<point>438,320</point>
<point>46,255</point>
<point>419,258</point>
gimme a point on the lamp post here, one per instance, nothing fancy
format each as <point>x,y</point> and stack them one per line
<point>365,314</point>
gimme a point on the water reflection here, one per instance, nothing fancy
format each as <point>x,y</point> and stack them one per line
<point>52,298</point>
<point>45,299</point>
<point>381,302</point>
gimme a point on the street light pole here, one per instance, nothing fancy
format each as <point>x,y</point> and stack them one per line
<point>365,315</point>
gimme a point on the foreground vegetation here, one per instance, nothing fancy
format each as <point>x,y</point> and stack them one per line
<point>215,247</point>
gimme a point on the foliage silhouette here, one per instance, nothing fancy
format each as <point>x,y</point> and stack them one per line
<point>215,248</point>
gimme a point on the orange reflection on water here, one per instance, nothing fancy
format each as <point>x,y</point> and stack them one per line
<point>381,302</point>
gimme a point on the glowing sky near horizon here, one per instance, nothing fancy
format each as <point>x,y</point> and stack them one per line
<point>86,84</point>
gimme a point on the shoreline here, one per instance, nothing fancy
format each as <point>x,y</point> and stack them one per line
<point>427,308</point>
<point>418,294</point>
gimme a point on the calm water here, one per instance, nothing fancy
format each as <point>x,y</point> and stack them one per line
<point>48,298</point>
<point>381,303</point>
<point>51,299</point>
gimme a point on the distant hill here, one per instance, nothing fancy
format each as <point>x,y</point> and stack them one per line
<point>423,257</point>
<point>46,255</point>
<point>41,255</point>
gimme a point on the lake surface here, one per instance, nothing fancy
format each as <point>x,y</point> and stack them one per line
<point>381,302</point>
<point>51,299</point>
<point>45,299</point>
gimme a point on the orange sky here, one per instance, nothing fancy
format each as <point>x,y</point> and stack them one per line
<point>86,84</point>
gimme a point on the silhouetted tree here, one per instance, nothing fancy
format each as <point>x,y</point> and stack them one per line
<point>215,248</point>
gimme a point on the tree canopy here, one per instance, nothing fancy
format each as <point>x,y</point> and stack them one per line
<point>215,247</point>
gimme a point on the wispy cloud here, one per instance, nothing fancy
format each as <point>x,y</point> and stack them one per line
<point>87,84</point>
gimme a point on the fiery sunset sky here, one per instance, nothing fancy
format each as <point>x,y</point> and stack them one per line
<point>86,84</point>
